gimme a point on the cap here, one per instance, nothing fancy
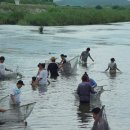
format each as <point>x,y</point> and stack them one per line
<point>20,82</point>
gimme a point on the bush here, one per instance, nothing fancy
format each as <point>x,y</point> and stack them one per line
<point>99,7</point>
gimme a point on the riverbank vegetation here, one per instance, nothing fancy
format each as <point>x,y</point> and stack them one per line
<point>49,14</point>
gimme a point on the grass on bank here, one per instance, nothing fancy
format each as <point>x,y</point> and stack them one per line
<point>49,15</point>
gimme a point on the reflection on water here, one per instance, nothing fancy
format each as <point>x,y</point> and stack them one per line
<point>56,108</point>
<point>84,113</point>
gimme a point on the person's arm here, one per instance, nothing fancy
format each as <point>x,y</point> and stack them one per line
<point>13,99</point>
<point>38,78</point>
<point>8,70</point>
<point>107,68</point>
<point>48,69</point>
<point>81,55</point>
<point>117,68</point>
<point>92,90</point>
<point>78,90</point>
<point>2,110</point>
<point>94,84</point>
<point>91,57</point>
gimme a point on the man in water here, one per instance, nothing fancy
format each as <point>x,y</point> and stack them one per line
<point>41,29</point>
<point>84,56</point>
<point>2,66</point>
<point>99,122</point>
<point>15,93</point>
<point>53,69</point>
<point>84,90</point>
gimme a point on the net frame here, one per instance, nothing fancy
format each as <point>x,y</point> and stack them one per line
<point>70,66</point>
<point>17,113</point>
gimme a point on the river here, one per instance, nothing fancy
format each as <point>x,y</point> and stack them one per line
<point>57,108</point>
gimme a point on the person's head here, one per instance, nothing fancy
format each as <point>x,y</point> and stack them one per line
<point>88,49</point>
<point>20,83</point>
<point>85,78</point>
<point>2,59</point>
<point>33,78</point>
<point>53,59</point>
<point>112,59</point>
<point>41,65</point>
<point>96,112</point>
<point>63,56</point>
<point>85,74</point>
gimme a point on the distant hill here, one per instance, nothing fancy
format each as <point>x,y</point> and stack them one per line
<point>92,2</point>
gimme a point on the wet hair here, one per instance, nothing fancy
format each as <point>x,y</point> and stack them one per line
<point>112,59</point>
<point>85,74</point>
<point>33,78</point>
<point>62,55</point>
<point>2,58</point>
<point>42,64</point>
<point>96,110</point>
<point>85,78</point>
<point>88,49</point>
<point>38,64</point>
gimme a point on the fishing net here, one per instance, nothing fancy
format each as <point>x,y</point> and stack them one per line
<point>95,98</point>
<point>2,100</point>
<point>70,66</point>
<point>101,122</point>
<point>14,113</point>
<point>10,75</point>
<point>17,113</point>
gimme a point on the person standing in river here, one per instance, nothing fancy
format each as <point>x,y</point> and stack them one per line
<point>2,66</point>
<point>41,29</point>
<point>42,77</point>
<point>53,69</point>
<point>84,56</point>
<point>84,90</point>
<point>100,121</point>
<point>112,67</point>
<point>15,93</point>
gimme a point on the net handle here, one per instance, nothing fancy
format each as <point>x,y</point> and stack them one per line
<point>73,58</point>
<point>4,98</point>
<point>22,106</point>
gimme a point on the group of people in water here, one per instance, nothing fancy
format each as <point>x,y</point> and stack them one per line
<point>84,89</point>
<point>112,66</point>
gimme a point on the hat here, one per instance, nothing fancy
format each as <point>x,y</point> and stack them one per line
<point>62,55</point>
<point>53,58</point>
<point>20,82</point>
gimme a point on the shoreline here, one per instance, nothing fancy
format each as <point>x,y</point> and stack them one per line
<point>51,15</point>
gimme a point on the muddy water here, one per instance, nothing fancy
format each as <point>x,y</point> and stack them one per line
<point>57,108</point>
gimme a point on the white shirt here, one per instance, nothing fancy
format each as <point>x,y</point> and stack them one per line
<point>43,77</point>
<point>2,69</point>
<point>16,93</point>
